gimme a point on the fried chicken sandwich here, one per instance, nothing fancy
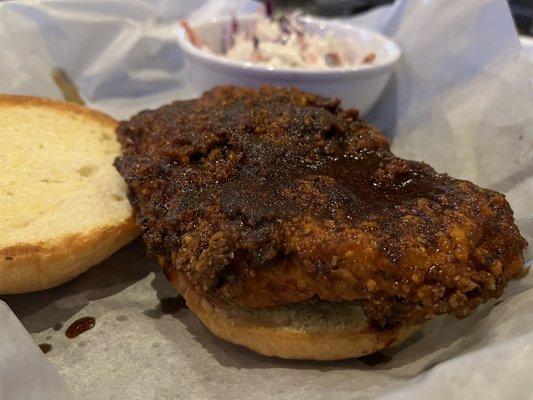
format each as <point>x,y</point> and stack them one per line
<point>290,228</point>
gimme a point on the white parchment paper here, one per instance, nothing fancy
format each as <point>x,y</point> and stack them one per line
<point>461,99</point>
<point>25,374</point>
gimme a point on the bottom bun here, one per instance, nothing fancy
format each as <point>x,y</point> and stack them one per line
<point>318,331</point>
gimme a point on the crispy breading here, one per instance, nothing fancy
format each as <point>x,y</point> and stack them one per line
<point>275,196</point>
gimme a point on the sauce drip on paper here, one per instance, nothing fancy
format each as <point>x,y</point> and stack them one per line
<point>79,326</point>
<point>45,347</point>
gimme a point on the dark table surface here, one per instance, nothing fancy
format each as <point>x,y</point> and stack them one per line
<point>522,9</point>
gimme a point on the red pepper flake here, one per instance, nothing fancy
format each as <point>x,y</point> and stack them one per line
<point>333,59</point>
<point>193,36</point>
<point>257,57</point>
<point>302,42</point>
<point>369,58</point>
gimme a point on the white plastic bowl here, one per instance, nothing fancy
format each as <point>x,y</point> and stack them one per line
<point>359,86</point>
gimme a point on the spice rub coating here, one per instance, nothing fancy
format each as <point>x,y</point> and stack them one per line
<point>276,196</point>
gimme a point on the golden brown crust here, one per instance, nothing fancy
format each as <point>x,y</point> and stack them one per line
<point>12,99</point>
<point>321,343</point>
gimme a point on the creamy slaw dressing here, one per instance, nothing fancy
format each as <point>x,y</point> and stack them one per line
<point>284,42</point>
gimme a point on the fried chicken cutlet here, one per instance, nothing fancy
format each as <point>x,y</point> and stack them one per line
<point>261,198</point>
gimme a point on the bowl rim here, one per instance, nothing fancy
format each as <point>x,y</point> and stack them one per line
<point>287,72</point>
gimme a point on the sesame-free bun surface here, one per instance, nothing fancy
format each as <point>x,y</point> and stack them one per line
<point>63,205</point>
<point>321,331</point>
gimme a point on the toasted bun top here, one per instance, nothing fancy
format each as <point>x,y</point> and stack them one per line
<point>58,189</point>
